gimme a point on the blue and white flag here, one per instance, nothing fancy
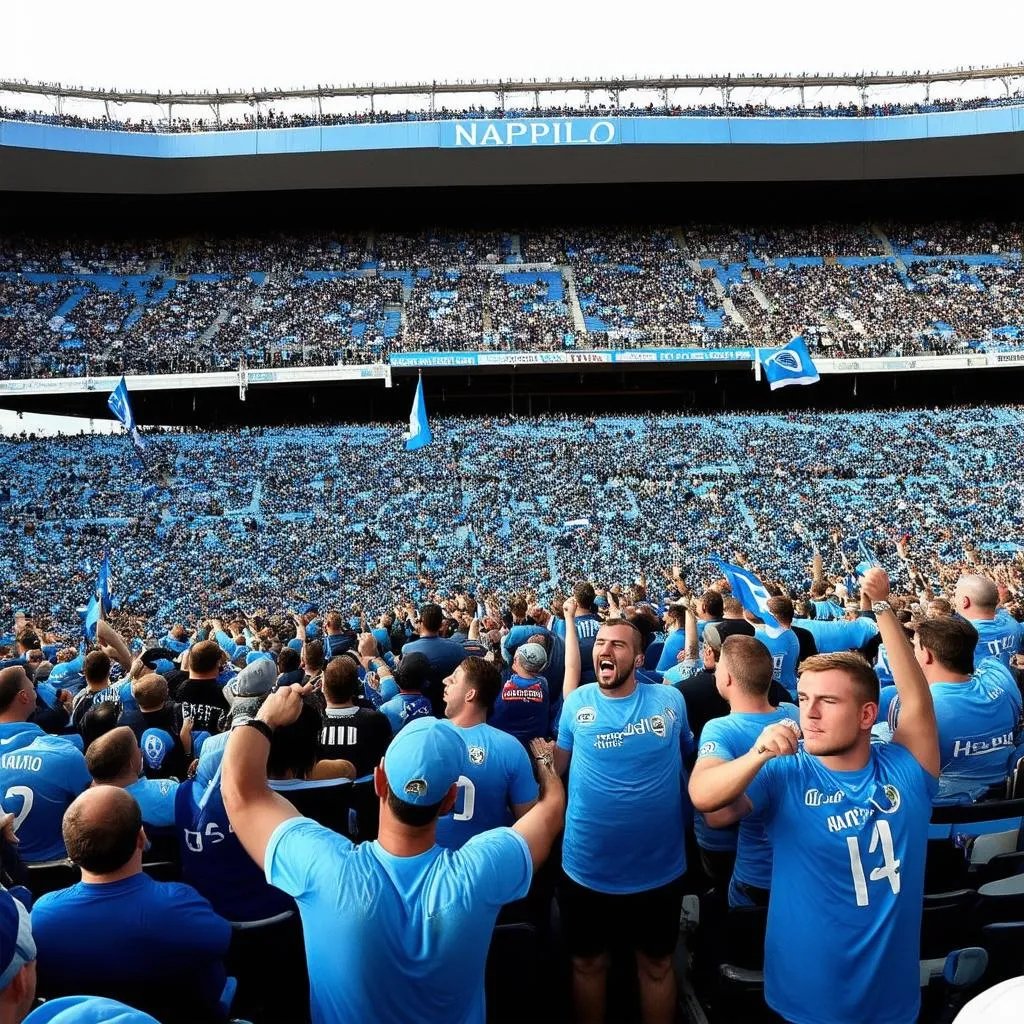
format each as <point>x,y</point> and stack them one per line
<point>92,617</point>
<point>749,591</point>
<point>105,585</point>
<point>419,429</point>
<point>867,559</point>
<point>790,365</point>
<point>121,407</point>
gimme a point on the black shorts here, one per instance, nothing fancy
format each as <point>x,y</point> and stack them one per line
<point>647,921</point>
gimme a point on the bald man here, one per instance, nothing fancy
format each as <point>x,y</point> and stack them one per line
<point>114,759</point>
<point>163,945</point>
<point>39,774</point>
<point>999,635</point>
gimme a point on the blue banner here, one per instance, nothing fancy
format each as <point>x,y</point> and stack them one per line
<point>573,358</point>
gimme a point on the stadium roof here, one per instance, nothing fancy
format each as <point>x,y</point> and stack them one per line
<point>862,80</point>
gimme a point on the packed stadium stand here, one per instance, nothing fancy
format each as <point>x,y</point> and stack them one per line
<point>590,688</point>
<point>72,307</point>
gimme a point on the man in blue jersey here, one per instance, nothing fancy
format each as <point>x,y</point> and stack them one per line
<point>17,959</point>
<point>40,775</point>
<point>744,676</point>
<point>410,702</point>
<point>444,655</point>
<point>162,943</point>
<point>426,912</point>
<point>782,643</point>
<point>497,786</point>
<point>587,624</point>
<point>624,852</point>
<point>842,635</point>
<point>848,824</point>
<point>978,711</point>
<point>999,635</point>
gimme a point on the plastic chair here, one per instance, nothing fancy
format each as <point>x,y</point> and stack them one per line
<point>1004,942</point>
<point>1002,865</point>
<point>945,921</point>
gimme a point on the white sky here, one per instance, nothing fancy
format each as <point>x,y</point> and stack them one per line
<point>209,44</point>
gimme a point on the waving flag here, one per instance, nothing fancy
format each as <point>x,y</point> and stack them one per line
<point>92,616</point>
<point>867,559</point>
<point>790,365</point>
<point>104,584</point>
<point>121,407</point>
<point>749,591</point>
<point>419,429</point>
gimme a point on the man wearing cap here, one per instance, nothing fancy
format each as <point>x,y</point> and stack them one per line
<point>39,774</point>
<point>247,691</point>
<point>522,707</point>
<point>17,960</point>
<point>426,912</point>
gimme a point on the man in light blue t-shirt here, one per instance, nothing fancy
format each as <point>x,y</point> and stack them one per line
<point>978,711</point>
<point>999,634</point>
<point>848,823</point>
<point>782,643</point>
<point>744,677</point>
<point>426,912</point>
<point>497,786</point>
<point>624,854</point>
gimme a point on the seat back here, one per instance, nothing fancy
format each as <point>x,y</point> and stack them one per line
<point>1004,943</point>
<point>1002,865</point>
<point>945,921</point>
<point>51,876</point>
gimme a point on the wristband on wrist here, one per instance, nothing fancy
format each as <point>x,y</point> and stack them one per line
<point>261,727</point>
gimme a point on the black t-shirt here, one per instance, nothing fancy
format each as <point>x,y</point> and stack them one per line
<point>808,647</point>
<point>204,702</point>
<point>326,801</point>
<point>156,762</point>
<point>355,734</point>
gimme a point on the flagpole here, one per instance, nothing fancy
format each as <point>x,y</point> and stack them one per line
<point>757,364</point>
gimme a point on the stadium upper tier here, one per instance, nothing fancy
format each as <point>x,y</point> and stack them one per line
<point>74,307</point>
<point>272,118</point>
<point>271,518</point>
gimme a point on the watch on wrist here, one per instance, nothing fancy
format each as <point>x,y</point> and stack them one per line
<point>881,606</point>
<point>261,727</point>
<point>545,759</point>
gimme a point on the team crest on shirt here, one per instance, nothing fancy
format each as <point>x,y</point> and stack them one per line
<point>888,802</point>
<point>415,787</point>
<point>476,755</point>
<point>585,716</point>
<point>658,726</point>
<point>707,748</point>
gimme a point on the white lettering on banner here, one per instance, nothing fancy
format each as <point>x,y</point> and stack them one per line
<point>533,133</point>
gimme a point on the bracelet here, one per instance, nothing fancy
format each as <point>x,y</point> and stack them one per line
<point>261,727</point>
<point>545,759</point>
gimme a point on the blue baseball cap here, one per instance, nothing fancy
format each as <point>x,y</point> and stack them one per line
<point>424,761</point>
<point>17,947</point>
<point>257,656</point>
<point>87,1010</point>
<point>162,666</point>
<point>295,644</point>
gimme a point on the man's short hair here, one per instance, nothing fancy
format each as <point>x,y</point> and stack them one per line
<point>12,681</point>
<point>713,604</point>
<point>517,607</point>
<point>952,642</point>
<point>940,606</point>
<point>96,668</point>
<point>103,845</point>
<point>865,682</point>
<point>431,616</point>
<point>110,755</point>
<point>295,748</point>
<point>782,609</point>
<point>333,620</point>
<point>98,721</point>
<point>287,660</point>
<point>750,663</point>
<point>205,657</point>
<point>313,655</point>
<point>980,589</point>
<point>29,639</point>
<point>638,637</point>
<point>732,608</point>
<point>484,677</point>
<point>413,815</point>
<point>585,596</point>
<point>150,691</point>
<point>341,680</point>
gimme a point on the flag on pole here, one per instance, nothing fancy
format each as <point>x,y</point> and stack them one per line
<point>790,365</point>
<point>92,617</point>
<point>105,585</point>
<point>749,591</point>
<point>121,407</point>
<point>867,559</point>
<point>419,429</point>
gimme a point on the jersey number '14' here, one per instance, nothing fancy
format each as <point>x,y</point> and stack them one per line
<point>881,836</point>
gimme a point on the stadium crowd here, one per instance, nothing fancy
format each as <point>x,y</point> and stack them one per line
<point>271,118</point>
<point>79,307</point>
<point>240,762</point>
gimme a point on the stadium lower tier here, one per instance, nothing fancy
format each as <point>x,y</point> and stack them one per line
<point>272,518</point>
